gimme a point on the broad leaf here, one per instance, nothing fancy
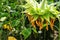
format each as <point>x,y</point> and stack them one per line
<point>26,32</point>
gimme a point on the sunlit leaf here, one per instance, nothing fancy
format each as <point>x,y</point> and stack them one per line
<point>3,18</point>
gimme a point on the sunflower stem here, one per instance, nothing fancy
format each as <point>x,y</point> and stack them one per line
<point>44,34</point>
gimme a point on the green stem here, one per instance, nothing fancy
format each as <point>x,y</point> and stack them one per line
<point>59,27</point>
<point>44,34</point>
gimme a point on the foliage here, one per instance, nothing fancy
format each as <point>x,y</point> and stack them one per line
<point>14,21</point>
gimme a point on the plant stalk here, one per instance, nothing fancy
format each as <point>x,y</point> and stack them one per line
<point>59,27</point>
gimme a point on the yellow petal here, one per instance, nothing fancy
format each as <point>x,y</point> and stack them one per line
<point>11,38</point>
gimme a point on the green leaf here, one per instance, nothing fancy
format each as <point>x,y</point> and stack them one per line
<point>44,25</point>
<point>43,4</point>
<point>50,1</point>
<point>1,24</point>
<point>26,32</point>
<point>3,18</point>
<point>35,17</point>
<point>47,17</point>
<point>4,14</point>
<point>12,5</point>
<point>15,22</point>
<point>34,30</point>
